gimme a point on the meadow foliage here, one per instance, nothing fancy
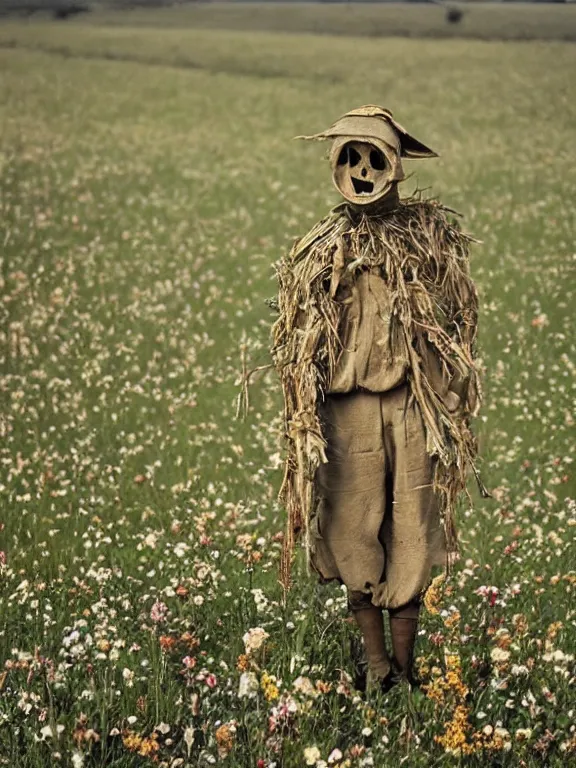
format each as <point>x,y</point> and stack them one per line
<point>142,210</point>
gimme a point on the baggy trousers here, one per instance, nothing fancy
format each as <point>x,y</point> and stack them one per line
<point>377,528</point>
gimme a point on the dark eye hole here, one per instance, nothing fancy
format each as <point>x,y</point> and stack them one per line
<point>377,160</point>
<point>343,156</point>
<point>354,157</point>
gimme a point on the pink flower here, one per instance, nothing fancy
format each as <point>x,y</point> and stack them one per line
<point>189,662</point>
<point>211,681</point>
<point>489,592</point>
<point>158,611</point>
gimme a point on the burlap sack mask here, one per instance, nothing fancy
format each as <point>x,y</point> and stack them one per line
<point>366,153</point>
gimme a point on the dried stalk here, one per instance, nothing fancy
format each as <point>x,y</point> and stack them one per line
<point>423,256</point>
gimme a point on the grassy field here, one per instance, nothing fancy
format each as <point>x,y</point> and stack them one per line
<point>142,210</point>
<point>488,21</point>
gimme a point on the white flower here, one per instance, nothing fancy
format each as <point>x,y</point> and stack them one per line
<point>163,728</point>
<point>72,638</point>
<point>334,756</point>
<point>311,755</point>
<point>128,676</point>
<point>254,639</point>
<point>499,654</point>
<point>132,719</point>
<point>180,549</point>
<point>260,599</point>
<point>523,734</point>
<point>77,760</point>
<point>304,685</point>
<point>248,685</point>
<point>558,656</point>
<point>47,732</point>
<point>150,540</point>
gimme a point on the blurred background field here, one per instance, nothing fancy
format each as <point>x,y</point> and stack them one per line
<point>500,21</point>
<point>148,183</point>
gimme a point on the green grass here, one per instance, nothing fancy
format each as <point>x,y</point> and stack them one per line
<point>143,208</point>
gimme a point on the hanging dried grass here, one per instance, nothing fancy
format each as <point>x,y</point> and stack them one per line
<point>423,256</point>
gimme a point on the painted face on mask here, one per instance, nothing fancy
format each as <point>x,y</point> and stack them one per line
<point>361,172</point>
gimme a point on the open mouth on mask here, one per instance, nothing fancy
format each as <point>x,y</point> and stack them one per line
<point>362,187</point>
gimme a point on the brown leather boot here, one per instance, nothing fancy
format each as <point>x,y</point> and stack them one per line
<point>403,629</point>
<point>379,666</point>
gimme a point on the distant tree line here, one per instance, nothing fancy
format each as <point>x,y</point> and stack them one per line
<point>64,9</point>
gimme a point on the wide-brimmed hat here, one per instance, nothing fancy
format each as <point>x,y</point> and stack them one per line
<point>373,122</point>
<point>373,125</point>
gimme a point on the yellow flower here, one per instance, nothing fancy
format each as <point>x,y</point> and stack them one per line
<point>433,595</point>
<point>369,714</point>
<point>453,620</point>
<point>453,661</point>
<point>269,687</point>
<point>312,755</point>
<point>553,630</point>
<point>454,683</point>
<point>449,686</point>
<point>148,746</point>
<point>435,691</point>
<point>492,739</point>
<point>132,741</point>
<point>455,732</point>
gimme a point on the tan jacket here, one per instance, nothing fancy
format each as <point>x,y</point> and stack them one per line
<point>373,356</point>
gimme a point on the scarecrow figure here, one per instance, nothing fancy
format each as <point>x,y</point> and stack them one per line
<point>375,348</point>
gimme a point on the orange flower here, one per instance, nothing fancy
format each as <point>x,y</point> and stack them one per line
<point>323,687</point>
<point>167,643</point>
<point>503,639</point>
<point>520,623</point>
<point>553,630</point>
<point>242,663</point>
<point>189,640</point>
<point>225,739</point>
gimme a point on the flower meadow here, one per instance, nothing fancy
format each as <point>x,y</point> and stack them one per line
<point>143,206</point>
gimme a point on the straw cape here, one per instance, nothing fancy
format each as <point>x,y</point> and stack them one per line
<point>422,254</point>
